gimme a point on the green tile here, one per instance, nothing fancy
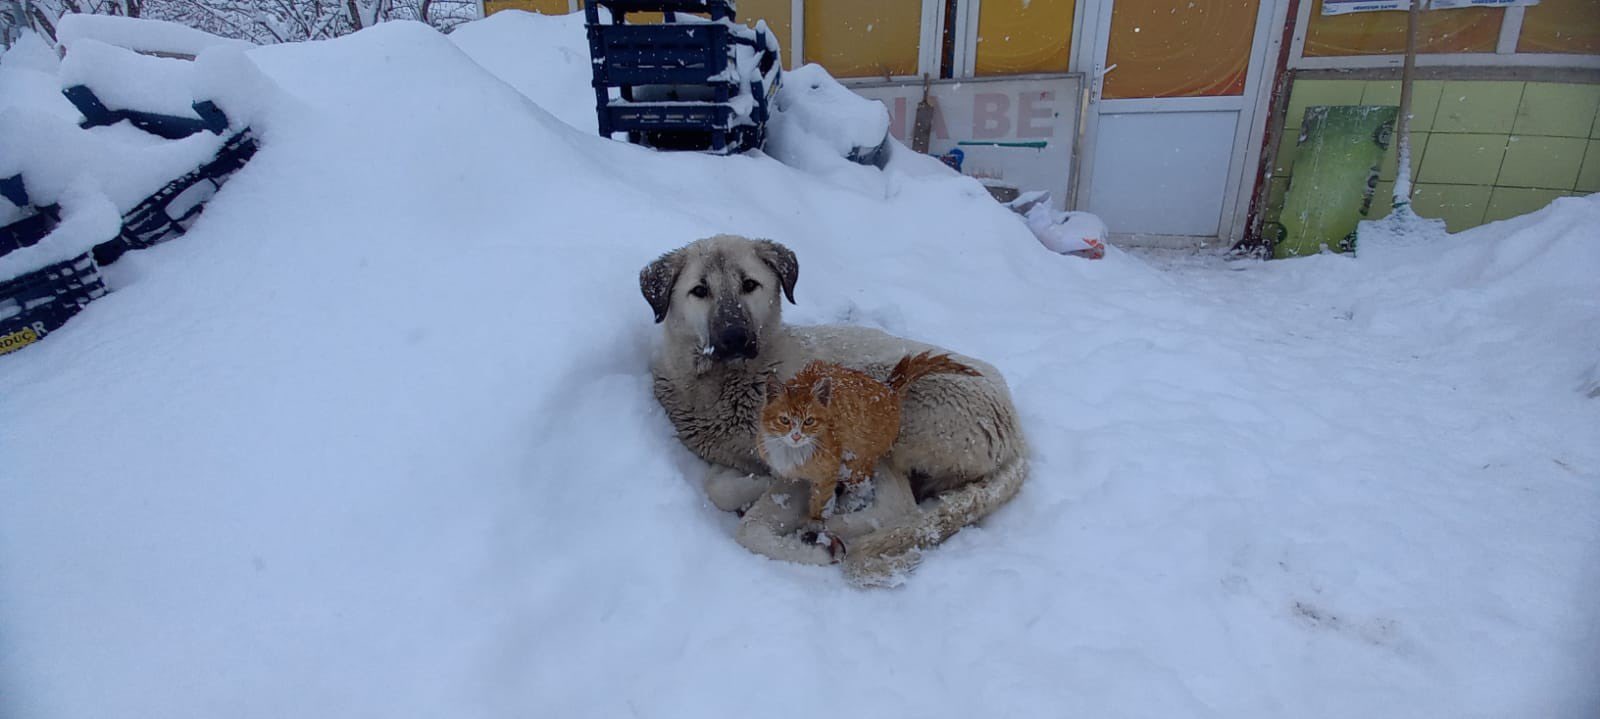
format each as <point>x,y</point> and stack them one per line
<point>1557,109</point>
<point>1462,159</point>
<point>1545,162</point>
<point>1419,143</point>
<point>1512,201</point>
<point>1424,99</point>
<point>1283,162</point>
<point>1477,106</point>
<point>1589,174</point>
<point>1306,93</point>
<point>1460,206</point>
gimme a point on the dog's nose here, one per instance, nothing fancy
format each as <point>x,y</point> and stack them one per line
<point>735,342</point>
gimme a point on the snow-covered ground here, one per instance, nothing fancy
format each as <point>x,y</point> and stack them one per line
<point>376,439</point>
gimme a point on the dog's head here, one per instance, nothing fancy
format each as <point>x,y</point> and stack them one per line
<point>718,295</point>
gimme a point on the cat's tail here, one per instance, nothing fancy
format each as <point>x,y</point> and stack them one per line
<point>911,368</point>
<point>886,557</point>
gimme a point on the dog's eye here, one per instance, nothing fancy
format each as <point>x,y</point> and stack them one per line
<point>700,291</point>
<point>751,286</point>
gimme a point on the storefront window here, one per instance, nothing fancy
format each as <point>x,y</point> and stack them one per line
<point>1160,48</point>
<point>863,38</point>
<point>1022,36</point>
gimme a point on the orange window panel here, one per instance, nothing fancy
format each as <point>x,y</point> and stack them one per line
<point>863,38</point>
<point>1565,26</point>
<point>777,13</point>
<point>1475,29</point>
<point>1163,48</point>
<point>543,7</point>
<point>1021,36</point>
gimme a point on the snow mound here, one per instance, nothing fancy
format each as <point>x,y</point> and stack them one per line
<point>139,34</point>
<point>377,438</point>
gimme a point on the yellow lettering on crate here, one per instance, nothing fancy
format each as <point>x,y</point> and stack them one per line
<point>17,340</point>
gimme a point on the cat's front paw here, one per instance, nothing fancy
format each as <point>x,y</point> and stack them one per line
<point>857,498</point>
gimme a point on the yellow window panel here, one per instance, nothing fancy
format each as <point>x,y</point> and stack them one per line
<point>863,38</point>
<point>777,13</point>
<point>543,7</point>
<point>1162,48</point>
<point>1565,26</point>
<point>1021,36</point>
<point>1474,29</point>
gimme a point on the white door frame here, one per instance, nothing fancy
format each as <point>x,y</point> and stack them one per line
<point>1095,25</point>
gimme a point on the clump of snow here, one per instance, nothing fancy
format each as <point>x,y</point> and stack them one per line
<point>29,52</point>
<point>812,102</point>
<point>1401,232</point>
<point>52,153</point>
<point>126,80</point>
<point>87,219</point>
<point>377,437</point>
<point>546,58</point>
<point>227,77</point>
<point>139,34</point>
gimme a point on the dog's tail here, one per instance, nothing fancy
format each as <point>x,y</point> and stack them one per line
<point>911,368</point>
<point>884,558</point>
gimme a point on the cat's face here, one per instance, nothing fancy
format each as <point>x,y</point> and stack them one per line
<point>793,414</point>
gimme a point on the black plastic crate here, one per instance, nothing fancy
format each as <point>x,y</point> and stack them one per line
<point>172,127</point>
<point>658,54</point>
<point>40,302</point>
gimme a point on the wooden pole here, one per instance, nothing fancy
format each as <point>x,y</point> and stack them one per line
<point>1402,130</point>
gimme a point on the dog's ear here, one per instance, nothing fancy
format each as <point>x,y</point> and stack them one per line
<point>783,262</point>
<point>823,390</point>
<point>657,279</point>
<point>774,387</point>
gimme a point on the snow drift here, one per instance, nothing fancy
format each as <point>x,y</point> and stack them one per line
<point>376,438</point>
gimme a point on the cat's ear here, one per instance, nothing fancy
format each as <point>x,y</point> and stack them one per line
<point>658,278</point>
<point>774,388</point>
<point>823,390</point>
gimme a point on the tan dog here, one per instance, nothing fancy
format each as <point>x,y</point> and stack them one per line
<point>960,451</point>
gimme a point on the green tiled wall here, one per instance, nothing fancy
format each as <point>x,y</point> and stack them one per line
<point>1481,150</point>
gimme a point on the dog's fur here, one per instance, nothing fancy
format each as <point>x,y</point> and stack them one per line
<point>961,451</point>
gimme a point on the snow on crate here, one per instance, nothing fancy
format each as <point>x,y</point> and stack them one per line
<point>126,80</point>
<point>52,153</point>
<point>138,34</point>
<point>87,219</point>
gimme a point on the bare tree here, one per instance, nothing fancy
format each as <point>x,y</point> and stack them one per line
<point>260,21</point>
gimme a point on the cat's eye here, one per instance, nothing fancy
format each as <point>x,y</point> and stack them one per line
<point>700,291</point>
<point>783,421</point>
<point>811,421</point>
<point>751,286</point>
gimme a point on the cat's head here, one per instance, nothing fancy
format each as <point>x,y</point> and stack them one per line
<point>796,411</point>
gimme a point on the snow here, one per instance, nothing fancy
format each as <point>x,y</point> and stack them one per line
<point>87,219</point>
<point>139,34</point>
<point>52,153</point>
<point>126,80</point>
<point>376,438</point>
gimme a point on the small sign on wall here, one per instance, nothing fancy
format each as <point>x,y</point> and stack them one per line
<point>1019,130</point>
<point>1341,7</point>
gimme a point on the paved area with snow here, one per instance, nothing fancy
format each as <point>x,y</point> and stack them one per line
<point>376,439</point>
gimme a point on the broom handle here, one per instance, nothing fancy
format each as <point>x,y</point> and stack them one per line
<point>1402,185</point>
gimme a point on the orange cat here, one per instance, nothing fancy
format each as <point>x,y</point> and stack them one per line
<point>831,423</point>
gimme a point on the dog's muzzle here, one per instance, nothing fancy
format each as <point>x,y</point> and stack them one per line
<point>733,342</point>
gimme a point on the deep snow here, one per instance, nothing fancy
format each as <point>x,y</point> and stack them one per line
<point>376,439</point>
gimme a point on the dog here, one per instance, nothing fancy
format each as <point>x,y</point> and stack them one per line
<point>961,452</point>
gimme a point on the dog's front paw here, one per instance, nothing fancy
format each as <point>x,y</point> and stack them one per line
<point>821,538</point>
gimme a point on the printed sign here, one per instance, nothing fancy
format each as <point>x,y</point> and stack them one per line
<point>1340,7</point>
<point>1022,131</point>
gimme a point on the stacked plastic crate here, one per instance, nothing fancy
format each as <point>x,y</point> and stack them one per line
<point>698,80</point>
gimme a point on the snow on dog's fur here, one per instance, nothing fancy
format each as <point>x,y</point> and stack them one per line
<point>961,449</point>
